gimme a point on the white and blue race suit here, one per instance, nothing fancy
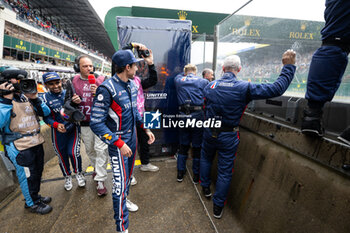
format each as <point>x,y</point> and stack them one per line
<point>66,145</point>
<point>114,117</point>
<point>227,99</point>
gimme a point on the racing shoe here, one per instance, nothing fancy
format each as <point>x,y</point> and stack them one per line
<point>345,136</point>
<point>149,167</point>
<point>132,207</point>
<point>68,185</point>
<point>180,175</point>
<point>133,181</point>
<point>41,208</point>
<point>101,188</point>
<point>195,178</point>
<point>206,191</point>
<point>81,179</point>
<point>126,231</point>
<point>311,124</point>
<point>217,210</point>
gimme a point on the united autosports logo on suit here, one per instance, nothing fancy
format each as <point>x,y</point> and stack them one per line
<point>152,120</point>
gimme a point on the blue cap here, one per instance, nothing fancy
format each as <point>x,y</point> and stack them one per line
<point>123,57</point>
<point>50,76</point>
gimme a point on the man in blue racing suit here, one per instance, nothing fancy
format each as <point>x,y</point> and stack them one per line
<point>113,119</point>
<point>227,99</point>
<point>189,89</point>
<point>65,136</point>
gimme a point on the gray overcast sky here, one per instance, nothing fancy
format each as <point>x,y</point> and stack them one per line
<point>292,9</point>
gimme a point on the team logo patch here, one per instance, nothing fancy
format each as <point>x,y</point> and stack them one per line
<point>100,97</point>
<point>152,120</point>
<point>65,116</point>
<point>214,85</point>
<point>107,136</point>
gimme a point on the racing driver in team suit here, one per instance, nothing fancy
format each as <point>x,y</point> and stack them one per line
<point>114,117</point>
<point>227,99</point>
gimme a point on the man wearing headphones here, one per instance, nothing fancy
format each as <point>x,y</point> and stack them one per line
<point>96,150</point>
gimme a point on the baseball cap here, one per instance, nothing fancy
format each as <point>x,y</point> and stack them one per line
<point>123,57</point>
<point>49,76</point>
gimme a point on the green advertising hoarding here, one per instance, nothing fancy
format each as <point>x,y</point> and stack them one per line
<point>15,43</point>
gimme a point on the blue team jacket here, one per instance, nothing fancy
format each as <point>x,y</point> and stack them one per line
<point>190,89</point>
<point>337,17</point>
<point>114,112</point>
<point>228,96</point>
<point>55,103</point>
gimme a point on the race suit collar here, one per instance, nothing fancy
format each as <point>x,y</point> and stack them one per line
<point>229,75</point>
<point>116,78</point>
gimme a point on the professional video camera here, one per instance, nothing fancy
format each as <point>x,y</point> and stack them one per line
<point>24,85</point>
<point>70,111</point>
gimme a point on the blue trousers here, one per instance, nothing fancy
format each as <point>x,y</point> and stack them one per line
<point>122,168</point>
<point>22,179</point>
<point>67,148</point>
<point>226,145</point>
<point>327,68</point>
<point>187,137</point>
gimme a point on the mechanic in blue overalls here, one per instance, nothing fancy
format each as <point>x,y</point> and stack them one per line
<point>327,67</point>
<point>227,99</point>
<point>189,89</point>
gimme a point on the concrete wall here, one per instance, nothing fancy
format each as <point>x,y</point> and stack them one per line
<point>275,189</point>
<point>8,179</point>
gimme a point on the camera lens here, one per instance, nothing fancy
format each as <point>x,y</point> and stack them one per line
<point>28,86</point>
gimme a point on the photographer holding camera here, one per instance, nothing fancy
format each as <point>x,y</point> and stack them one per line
<point>20,109</point>
<point>145,83</point>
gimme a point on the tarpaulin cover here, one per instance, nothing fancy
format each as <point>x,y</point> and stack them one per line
<point>170,41</point>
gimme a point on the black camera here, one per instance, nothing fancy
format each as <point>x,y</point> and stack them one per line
<point>25,85</point>
<point>142,53</point>
<point>28,86</point>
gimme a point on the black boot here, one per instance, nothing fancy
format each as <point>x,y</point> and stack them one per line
<point>218,210</point>
<point>180,175</point>
<point>40,208</point>
<point>311,124</point>
<point>195,178</point>
<point>206,192</point>
<point>346,167</point>
<point>345,136</point>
